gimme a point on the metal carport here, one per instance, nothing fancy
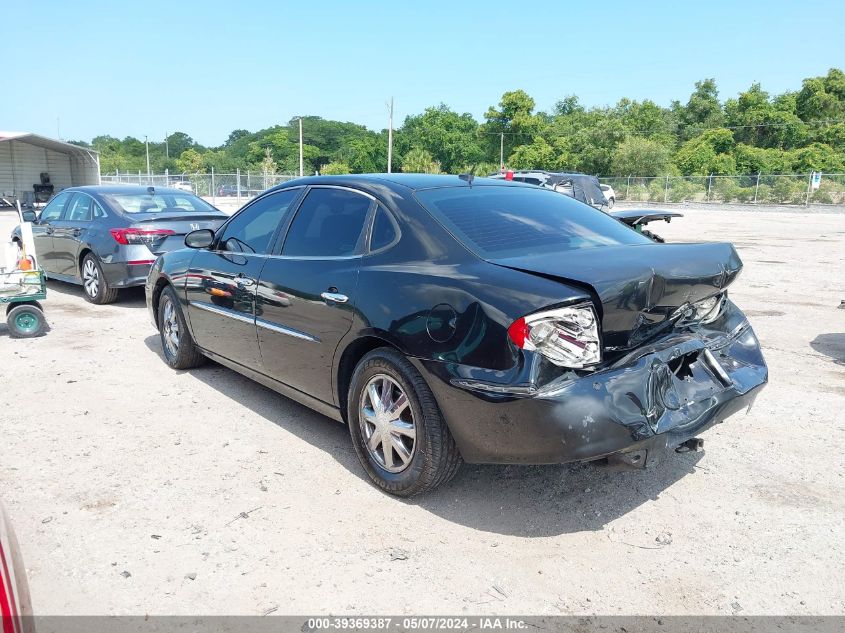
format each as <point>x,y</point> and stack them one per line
<point>24,156</point>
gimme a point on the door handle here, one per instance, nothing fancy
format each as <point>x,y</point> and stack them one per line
<point>76,232</point>
<point>334,297</point>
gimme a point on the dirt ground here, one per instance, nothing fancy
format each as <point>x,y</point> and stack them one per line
<point>135,489</point>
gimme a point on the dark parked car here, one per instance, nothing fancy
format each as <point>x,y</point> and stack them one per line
<point>228,190</point>
<point>106,238</point>
<point>447,319</point>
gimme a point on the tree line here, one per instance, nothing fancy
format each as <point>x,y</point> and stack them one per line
<point>756,132</point>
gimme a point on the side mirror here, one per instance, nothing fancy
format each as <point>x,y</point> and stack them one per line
<point>203,238</point>
<point>28,215</point>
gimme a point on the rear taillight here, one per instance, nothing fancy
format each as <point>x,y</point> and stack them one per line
<point>568,337</point>
<point>139,236</point>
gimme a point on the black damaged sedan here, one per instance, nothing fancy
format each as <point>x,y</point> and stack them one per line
<point>449,319</point>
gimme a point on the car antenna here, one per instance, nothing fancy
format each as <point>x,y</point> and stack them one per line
<point>469,177</point>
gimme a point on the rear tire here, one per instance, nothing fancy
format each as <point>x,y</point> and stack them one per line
<point>397,429</point>
<point>26,321</point>
<point>611,202</point>
<point>180,351</point>
<point>94,283</point>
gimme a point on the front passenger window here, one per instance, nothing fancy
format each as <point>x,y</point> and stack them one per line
<point>251,230</point>
<point>53,210</point>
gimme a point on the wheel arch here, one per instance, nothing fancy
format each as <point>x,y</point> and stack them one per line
<point>81,257</point>
<point>349,359</point>
<point>161,283</point>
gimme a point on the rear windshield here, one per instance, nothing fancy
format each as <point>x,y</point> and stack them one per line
<point>511,221</point>
<point>159,202</point>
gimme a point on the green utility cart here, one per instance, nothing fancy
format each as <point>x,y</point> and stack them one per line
<point>21,291</point>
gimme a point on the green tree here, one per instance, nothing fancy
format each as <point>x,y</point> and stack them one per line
<point>762,122</point>
<point>367,154</point>
<point>536,155</point>
<point>647,119</point>
<point>708,153</point>
<point>451,138</point>
<point>235,136</point>
<point>419,161</point>
<point>817,157</point>
<point>703,110</point>
<point>759,160</point>
<point>190,162</point>
<point>822,97</point>
<point>514,118</point>
<point>637,156</point>
<point>178,142</point>
<point>334,168</point>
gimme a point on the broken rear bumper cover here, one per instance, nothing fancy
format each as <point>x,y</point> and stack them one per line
<point>656,396</point>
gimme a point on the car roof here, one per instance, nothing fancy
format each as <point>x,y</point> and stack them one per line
<point>413,182</point>
<point>128,189</point>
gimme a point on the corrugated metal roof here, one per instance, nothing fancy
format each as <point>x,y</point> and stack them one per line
<point>48,143</point>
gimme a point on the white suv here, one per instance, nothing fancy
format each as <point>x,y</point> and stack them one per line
<point>609,194</point>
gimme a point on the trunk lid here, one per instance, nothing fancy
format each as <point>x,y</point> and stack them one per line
<point>180,223</point>
<point>637,287</point>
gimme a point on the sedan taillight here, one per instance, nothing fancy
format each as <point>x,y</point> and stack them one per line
<point>139,236</point>
<point>568,337</point>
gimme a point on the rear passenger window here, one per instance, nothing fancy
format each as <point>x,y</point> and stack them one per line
<point>329,224</point>
<point>80,209</point>
<point>383,231</point>
<point>252,229</point>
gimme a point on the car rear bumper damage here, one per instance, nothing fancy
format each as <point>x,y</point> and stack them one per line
<point>127,274</point>
<point>656,396</point>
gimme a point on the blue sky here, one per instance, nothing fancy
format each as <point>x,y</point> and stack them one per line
<point>206,68</point>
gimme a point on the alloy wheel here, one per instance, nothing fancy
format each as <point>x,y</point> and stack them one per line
<point>90,278</point>
<point>170,327</point>
<point>387,423</point>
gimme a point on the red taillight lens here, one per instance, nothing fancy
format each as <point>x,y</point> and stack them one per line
<point>518,331</point>
<point>568,337</point>
<point>139,236</point>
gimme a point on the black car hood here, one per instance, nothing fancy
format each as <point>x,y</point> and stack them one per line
<point>638,287</point>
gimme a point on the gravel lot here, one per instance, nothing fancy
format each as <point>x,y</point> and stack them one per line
<point>135,489</point>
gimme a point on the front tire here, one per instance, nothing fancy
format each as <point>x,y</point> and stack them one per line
<point>94,282</point>
<point>397,429</point>
<point>180,351</point>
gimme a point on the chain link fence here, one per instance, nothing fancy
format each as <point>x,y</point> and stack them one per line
<point>239,186</point>
<point>792,189</point>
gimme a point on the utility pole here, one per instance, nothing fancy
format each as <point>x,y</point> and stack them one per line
<point>301,161</point>
<point>390,137</point>
<point>58,132</point>
<point>166,147</point>
<point>147,145</point>
<point>502,152</point>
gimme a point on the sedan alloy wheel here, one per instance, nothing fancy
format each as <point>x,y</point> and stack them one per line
<point>387,423</point>
<point>170,327</point>
<point>90,278</point>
